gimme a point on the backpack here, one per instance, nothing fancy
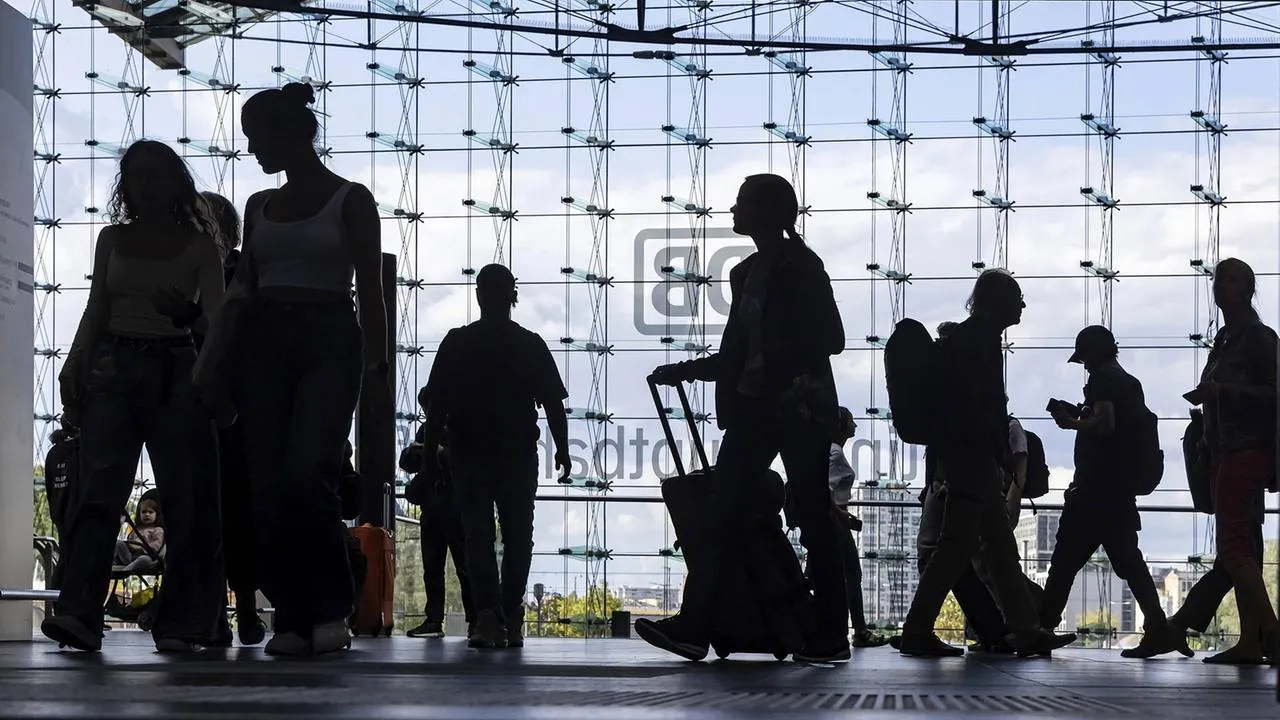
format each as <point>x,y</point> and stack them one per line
<point>1146,464</point>
<point>61,471</point>
<point>911,377</point>
<point>1037,468</point>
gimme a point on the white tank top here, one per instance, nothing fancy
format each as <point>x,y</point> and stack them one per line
<point>306,253</point>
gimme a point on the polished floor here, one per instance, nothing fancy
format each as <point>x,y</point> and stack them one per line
<point>564,679</point>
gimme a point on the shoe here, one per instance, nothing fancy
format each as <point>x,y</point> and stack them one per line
<point>992,647</point>
<point>330,637</point>
<point>291,644</point>
<point>249,626</point>
<point>1041,643</point>
<point>823,656</point>
<point>927,646</point>
<point>177,646</point>
<point>868,639</point>
<point>427,630</point>
<point>488,632</point>
<point>515,637</point>
<point>670,634</point>
<point>70,632</point>
<point>1153,643</point>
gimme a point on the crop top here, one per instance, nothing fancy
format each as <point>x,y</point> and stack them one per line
<point>307,253</point>
<point>120,295</point>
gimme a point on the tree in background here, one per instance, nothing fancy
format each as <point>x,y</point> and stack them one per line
<point>1097,627</point>
<point>568,615</point>
<point>950,623</point>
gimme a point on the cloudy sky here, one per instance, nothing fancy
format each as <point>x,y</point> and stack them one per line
<point>1158,300</point>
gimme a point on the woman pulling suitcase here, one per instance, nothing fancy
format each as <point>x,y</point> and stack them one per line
<point>775,395</point>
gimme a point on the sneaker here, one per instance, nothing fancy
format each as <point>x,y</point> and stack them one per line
<point>992,647</point>
<point>330,637</point>
<point>1041,643</point>
<point>427,630</point>
<point>177,646</point>
<point>290,644</point>
<point>822,655</point>
<point>515,636</point>
<point>488,633</point>
<point>670,634</point>
<point>70,632</point>
<point>868,639</point>
<point>927,646</point>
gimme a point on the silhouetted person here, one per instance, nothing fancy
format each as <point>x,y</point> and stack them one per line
<point>1200,606</point>
<point>126,384</point>
<point>1238,391</point>
<point>972,592</point>
<point>775,395</point>
<point>486,383</point>
<point>300,359</point>
<point>971,458</point>
<point>841,479</point>
<point>440,531</point>
<point>239,541</point>
<point>1099,509</point>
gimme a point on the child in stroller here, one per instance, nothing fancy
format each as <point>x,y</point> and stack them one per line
<point>147,535</point>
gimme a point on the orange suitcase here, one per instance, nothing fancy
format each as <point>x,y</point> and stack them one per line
<point>373,615</point>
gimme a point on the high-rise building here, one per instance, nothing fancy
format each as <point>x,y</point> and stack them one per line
<point>888,546</point>
<point>1036,534</point>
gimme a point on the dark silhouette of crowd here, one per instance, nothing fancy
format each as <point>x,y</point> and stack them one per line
<point>191,346</point>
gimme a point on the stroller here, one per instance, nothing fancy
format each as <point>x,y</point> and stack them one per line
<point>134,585</point>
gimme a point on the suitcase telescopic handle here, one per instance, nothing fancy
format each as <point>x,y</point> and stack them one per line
<point>665,419</point>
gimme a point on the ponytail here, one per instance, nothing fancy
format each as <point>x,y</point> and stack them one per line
<point>794,236</point>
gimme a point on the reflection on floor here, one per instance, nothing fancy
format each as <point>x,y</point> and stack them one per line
<point>569,679</point>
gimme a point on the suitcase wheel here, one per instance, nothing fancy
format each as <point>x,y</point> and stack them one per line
<point>780,655</point>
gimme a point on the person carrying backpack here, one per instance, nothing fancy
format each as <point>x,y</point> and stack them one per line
<point>1100,507</point>
<point>441,533</point>
<point>964,420</point>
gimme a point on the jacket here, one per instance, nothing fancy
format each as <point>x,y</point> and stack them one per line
<point>800,330</point>
<point>1243,364</point>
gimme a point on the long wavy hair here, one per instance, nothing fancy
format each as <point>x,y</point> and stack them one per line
<point>186,206</point>
<point>225,218</point>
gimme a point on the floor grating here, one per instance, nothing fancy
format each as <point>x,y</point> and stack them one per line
<point>426,696</point>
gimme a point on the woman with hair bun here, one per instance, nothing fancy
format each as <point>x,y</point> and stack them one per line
<point>127,384</point>
<point>299,361</point>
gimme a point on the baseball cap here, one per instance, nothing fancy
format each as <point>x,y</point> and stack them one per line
<point>1091,341</point>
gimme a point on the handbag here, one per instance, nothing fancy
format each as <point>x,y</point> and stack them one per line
<point>1196,458</point>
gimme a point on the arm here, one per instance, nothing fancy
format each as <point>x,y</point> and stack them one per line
<point>551,394</point>
<point>841,477</point>
<point>1102,421</point>
<point>94,319</point>
<point>210,279</point>
<point>363,237</point>
<point>433,397</point>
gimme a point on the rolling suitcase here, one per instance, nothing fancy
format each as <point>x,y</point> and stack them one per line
<point>768,605</point>
<point>373,614</point>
